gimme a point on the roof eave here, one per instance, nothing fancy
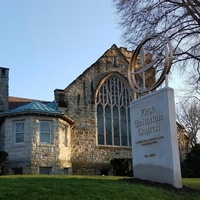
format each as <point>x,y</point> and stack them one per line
<point>56,114</point>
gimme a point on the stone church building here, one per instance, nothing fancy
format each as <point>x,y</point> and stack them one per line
<point>80,132</point>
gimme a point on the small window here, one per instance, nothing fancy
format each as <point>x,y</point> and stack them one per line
<point>45,170</point>
<point>16,171</point>
<point>45,132</point>
<point>104,172</point>
<point>19,132</point>
<point>3,72</point>
<point>67,171</point>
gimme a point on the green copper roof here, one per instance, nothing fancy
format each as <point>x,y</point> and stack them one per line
<point>36,107</point>
<point>39,108</point>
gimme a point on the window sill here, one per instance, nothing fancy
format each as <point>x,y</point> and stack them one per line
<point>45,144</point>
<point>114,147</point>
<point>19,143</point>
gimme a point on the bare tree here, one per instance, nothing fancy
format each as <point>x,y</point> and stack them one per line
<point>189,117</point>
<point>179,20</point>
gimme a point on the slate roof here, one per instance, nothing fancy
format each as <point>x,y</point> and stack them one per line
<point>15,102</point>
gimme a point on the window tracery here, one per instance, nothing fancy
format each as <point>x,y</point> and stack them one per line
<point>113,113</point>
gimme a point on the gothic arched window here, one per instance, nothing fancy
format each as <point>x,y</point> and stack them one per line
<point>113,113</point>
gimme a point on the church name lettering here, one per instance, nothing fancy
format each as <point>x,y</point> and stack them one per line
<point>149,121</point>
<point>142,130</point>
<point>146,111</point>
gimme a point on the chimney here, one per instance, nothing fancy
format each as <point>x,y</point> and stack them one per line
<point>4,76</point>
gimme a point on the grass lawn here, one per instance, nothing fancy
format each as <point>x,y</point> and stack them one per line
<point>85,187</point>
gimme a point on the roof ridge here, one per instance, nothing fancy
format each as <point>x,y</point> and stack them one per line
<point>22,99</point>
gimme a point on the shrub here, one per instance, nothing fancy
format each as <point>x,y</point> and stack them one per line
<point>3,159</point>
<point>191,165</point>
<point>184,170</point>
<point>122,166</point>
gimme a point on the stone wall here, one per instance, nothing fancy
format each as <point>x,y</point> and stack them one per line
<point>79,100</point>
<point>31,154</point>
<point>4,76</point>
<point>18,153</point>
<point>2,136</point>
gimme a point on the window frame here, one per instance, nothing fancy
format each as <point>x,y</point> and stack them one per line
<point>114,93</point>
<point>45,169</point>
<point>19,132</point>
<point>50,132</point>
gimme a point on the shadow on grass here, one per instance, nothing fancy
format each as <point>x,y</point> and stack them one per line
<point>171,188</point>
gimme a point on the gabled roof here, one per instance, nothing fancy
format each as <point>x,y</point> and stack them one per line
<point>37,107</point>
<point>122,52</point>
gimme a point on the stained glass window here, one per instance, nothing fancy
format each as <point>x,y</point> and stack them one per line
<point>113,120</point>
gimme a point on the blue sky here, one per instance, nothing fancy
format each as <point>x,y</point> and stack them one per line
<point>46,44</point>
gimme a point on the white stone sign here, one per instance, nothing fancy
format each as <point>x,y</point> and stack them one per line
<point>154,138</point>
